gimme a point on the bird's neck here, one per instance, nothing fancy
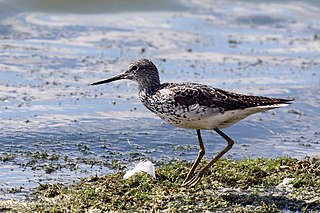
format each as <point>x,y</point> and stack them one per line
<point>149,86</point>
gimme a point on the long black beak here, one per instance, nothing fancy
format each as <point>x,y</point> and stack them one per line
<point>114,78</point>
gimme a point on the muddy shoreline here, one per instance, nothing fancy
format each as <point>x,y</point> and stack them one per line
<point>55,128</point>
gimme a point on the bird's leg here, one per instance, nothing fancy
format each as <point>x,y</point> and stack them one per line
<point>198,159</point>
<point>196,178</point>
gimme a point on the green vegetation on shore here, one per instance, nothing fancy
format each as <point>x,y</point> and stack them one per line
<point>249,185</point>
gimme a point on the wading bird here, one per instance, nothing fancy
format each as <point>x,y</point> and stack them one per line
<point>193,106</point>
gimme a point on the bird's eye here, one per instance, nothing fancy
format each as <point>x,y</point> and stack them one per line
<point>134,68</point>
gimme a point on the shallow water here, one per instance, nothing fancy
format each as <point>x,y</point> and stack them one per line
<point>56,128</point>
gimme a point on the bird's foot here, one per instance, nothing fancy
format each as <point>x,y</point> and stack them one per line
<point>193,180</point>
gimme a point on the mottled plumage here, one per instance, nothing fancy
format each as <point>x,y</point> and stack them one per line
<point>192,105</point>
<point>197,106</point>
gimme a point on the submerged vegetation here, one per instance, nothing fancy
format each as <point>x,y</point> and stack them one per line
<point>254,185</point>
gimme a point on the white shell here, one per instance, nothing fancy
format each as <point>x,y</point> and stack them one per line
<point>145,166</point>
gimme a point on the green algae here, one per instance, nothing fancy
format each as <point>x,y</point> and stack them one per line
<point>249,185</point>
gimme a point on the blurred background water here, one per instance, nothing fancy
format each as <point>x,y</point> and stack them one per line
<point>56,128</point>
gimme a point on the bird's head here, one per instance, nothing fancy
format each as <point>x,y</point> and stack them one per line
<point>142,71</point>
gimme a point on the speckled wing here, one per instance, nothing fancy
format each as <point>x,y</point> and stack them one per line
<point>188,94</point>
<point>197,106</point>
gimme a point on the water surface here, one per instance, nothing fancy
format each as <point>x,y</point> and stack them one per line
<point>56,128</point>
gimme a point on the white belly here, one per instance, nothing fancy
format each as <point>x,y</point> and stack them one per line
<point>208,120</point>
